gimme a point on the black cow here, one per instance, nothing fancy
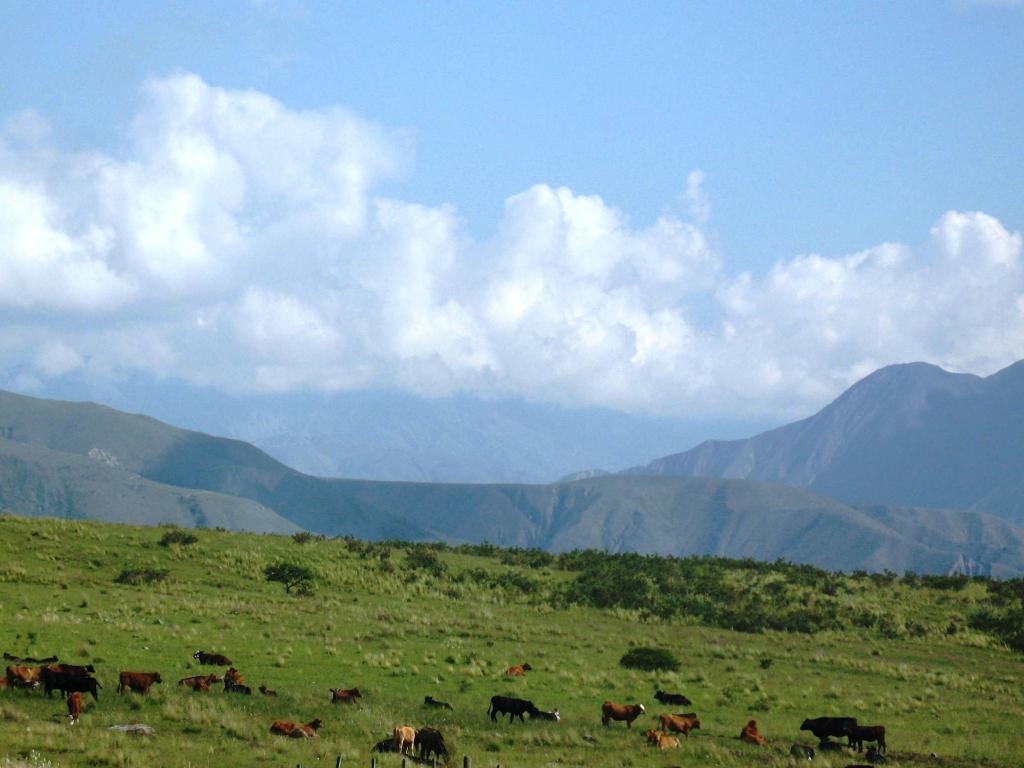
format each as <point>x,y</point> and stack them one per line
<point>506,705</point>
<point>385,745</point>
<point>540,714</point>
<point>430,701</point>
<point>823,727</point>
<point>29,660</point>
<point>430,741</point>
<point>230,686</point>
<point>66,683</point>
<point>213,659</point>
<point>672,698</point>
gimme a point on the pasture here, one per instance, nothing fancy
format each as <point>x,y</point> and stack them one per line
<point>403,623</point>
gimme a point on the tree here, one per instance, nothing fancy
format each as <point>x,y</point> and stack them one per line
<point>292,575</point>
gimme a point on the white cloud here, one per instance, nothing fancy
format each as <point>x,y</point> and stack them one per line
<point>239,244</point>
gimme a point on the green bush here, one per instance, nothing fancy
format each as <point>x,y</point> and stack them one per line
<point>141,576</point>
<point>292,575</point>
<point>649,659</point>
<point>179,537</point>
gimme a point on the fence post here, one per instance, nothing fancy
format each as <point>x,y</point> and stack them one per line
<point>373,762</point>
<point>466,762</point>
<point>337,763</point>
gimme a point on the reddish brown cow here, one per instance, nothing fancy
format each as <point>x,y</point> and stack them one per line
<point>24,677</point>
<point>307,731</point>
<point>139,682</point>
<point>858,734</point>
<point>74,707</point>
<point>518,670</point>
<point>679,723</point>
<point>750,735</point>
<point>3,682</point>
<point>404,738</point>
<point>345,695</point>
<point>199,683</point>
<point>628,712</point>
<point>234,677</point>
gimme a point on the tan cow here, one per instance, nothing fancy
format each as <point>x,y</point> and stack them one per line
<point>518,670</point>
<point>750,735</point>
<point>628,712</point>
<point>679,723</point>
<point>404,738</point>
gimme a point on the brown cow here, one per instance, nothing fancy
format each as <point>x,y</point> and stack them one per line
<point>750,735</point>
<point>139,682</point>
<point>200,683</point>
<point>518,670</point>
<point>679,723</point>
<point>666,741</point>
<point>345,695</point>
<point>628,712</point>
<point>24,677</point>
<point>234,676</point>
<point>290,728</point>
<point>266,691</point>
<point>404,738</point>
<point>3,682</point>
<point>858,734</point>
<point>74,707</point>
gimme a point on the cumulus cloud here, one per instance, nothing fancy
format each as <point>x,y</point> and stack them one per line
<point>236,243</point>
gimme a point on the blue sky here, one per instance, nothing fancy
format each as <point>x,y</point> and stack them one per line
<point>806,133</point>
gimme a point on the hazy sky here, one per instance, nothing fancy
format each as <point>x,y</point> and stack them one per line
<point>669,207</point>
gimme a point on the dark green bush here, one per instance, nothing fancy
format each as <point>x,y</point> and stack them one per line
<point>179,537</point>
<point>141,576</point>
<point>649,659</point>
<point>292,575</point>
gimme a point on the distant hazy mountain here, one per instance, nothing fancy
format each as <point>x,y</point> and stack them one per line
<point>907,435</point>
<point>396,436</point>
<point>84,460</point>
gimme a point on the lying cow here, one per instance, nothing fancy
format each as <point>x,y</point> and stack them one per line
<point>750,735</point>
<point>69,682</point>
<point>858,734</point>
<point>405,738</point>
<point>74,707</point>
<point>296,730</point>
<point>212,659</point>
<point>666,741</point>
<point>628,712</point>
<point>345,695</point>
<point>802,752</point>
<point>429,741</point>
<point>672,698</point>
<point>138,682</point>
<point>679,723</point>
<point>518,670</point>
<point>266,691</point>
<point>823,727</point>
<point>507,705</point>
<point>384,745</point>
<point>539,714</point>
<point>430,701</point>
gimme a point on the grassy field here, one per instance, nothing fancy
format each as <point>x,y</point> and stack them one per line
<point>400,628</point>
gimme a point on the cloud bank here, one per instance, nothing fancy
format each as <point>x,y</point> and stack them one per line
<point>238,244</point>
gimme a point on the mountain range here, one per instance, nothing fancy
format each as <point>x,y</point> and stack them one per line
<point>907,435</point>
<point>85,460</point>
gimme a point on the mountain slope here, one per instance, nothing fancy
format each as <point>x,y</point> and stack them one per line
<point>89,452</point>
<point>907,435</point>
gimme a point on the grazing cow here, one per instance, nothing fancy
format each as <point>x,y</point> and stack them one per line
<point>823,727</point>
<point>858,734</point>
<point>200,683</point>
<point>502,705</point>
<point>540,714</point>
<point>266,691</point>
<point>69,682</point>
<point>430,701</point>
<point>430,741</point>
<point>24,677</point>
<point>212,659</point>
<point>345,695</point>
<point>628,712</point>
<point>802,752</point>
<point>405,739</point>
<point>518,670</point>
<point>74,707</point>
<point>672,698</point>
<point>750,735</point>
<point>73,669</point>
<point>679,723</point>
<point>139,682</point>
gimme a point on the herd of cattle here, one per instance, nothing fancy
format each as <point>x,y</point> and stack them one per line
<point>74,680</point>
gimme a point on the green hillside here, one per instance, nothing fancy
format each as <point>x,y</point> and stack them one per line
<point>919,656</point>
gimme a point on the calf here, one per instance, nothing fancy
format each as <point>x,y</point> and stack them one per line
<point>212,659</point>
<point>430,741</point>
<point>345,695</point>
<point>511,706</point>
<point>540,714</point>
<point>628,712</point>
<point>858,734</point>
<point>672,698</point>
<point>384,745</point>
<point>518,670</point>
<point>138,682</point>
<point>666,741</point>
<point>405,738</point>
<point>750,735</point>
<point>802,752</point>
<point>679,723</point>
<point>430,701</point>
<point>74,707</point>
<point>266,691</point>
<point>199,683</point>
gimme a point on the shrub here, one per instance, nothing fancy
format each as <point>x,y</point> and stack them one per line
<point>141,576</point>
<point>292,575</point>
<point>649,659</point>
<point>179,537</point>
<point>422,558</point>
<point>305,537</point>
